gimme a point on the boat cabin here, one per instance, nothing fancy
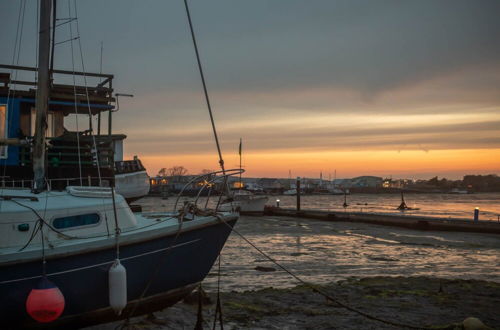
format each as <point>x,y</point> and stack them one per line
<point>75,132</point>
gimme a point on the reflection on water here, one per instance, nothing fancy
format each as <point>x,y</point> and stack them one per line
<point>322,252</point>
<point>433,205</point>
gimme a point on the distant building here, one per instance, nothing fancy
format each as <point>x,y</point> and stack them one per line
<point>270,184</point>
<point>343,183</point>
<point>367,182</point>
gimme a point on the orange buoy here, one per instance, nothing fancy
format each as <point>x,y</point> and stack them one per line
<point>45,302</point>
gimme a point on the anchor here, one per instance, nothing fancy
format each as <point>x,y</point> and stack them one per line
<point>403,205</point>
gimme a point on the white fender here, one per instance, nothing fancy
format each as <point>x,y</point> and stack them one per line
<point>117,287</point>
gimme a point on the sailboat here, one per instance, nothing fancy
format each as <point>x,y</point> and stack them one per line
<point>79,256</point>
<point>242,200</point>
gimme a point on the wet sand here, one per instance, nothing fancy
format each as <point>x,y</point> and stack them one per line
<point>392,273</point>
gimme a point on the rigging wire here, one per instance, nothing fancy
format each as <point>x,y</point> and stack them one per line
<point>207,99</point>
<point>75,98</point>
<point>15,59</point>
<point>95,151</point>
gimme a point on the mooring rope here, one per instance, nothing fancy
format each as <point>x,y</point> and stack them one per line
<point>320,291</point>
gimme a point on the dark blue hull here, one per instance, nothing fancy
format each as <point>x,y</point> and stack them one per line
<point>83,278</point>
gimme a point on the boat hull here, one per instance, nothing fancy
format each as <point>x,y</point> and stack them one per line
<point>133,185</point>
<point>250,206</point>
<point>170,266</point>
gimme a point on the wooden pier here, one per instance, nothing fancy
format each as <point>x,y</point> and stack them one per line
<point>406,221</point>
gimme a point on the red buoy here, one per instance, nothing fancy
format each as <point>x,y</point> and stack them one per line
<point>45,303</point>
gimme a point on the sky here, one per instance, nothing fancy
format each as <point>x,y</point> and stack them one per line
<point>408,89</point>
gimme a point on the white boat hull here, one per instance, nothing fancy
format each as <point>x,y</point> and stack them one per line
<point>253,205</point>
<point>132,185</point>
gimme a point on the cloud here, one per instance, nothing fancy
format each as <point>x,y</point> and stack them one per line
<point>294,75</point>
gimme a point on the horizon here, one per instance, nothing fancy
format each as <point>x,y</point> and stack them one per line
<point>384,88</point>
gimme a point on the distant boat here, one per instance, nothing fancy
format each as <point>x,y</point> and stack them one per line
<point>337,191</point>
<point>245,202</point>
<point>131,179</point>
<point>457,191</point>
<point>290,192</point>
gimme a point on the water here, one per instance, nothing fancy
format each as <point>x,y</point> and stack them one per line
<point>433,205</point>
<point>323,252</point>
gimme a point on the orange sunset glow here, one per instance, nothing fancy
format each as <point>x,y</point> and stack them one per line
<point>347,164</point>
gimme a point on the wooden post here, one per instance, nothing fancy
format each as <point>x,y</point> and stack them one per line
<point>298,194</point>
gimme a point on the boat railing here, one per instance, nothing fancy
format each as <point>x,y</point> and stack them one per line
<point>103,87</point>
<point>208,181</point>
<point>83,181</point>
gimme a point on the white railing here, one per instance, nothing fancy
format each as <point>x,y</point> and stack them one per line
<point>28,183</point>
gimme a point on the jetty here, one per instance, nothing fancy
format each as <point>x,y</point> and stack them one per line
<point>405,221</point>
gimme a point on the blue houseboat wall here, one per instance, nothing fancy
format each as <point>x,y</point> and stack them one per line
<point>15,164</point>
<point>12,123</point>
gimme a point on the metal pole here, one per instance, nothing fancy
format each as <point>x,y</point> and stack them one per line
<point>42,97</point>
<point>298,193</point>
<point>476,214</point>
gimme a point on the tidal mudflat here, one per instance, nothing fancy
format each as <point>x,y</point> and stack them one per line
<point>414,277</point>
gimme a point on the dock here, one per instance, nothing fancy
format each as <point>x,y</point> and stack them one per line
<point>405,221</point>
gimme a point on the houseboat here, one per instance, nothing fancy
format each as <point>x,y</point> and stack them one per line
<point>89,154</point>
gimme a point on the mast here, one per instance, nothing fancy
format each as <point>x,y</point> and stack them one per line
<point>42,96</point>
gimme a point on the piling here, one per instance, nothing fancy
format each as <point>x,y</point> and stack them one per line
<point>476,214</point>
<point>298,194</point>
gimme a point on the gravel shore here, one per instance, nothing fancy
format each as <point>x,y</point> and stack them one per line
<point>415,301</point>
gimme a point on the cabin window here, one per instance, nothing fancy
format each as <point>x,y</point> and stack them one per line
<point>3,129</point>
<point>50,123</point>
<point>76,221</point>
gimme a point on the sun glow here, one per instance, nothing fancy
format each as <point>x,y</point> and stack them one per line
<point>277,163</point>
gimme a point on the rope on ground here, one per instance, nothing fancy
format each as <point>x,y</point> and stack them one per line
<point>320,291</point>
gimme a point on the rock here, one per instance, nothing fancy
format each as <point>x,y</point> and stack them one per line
<point>194,297</point>
<point>265,269</point>
<point>472,323</point>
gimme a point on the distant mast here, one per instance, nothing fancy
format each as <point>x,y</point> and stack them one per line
<point>42,96</point>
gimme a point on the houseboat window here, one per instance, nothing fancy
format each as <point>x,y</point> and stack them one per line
<point>76,220</point>
<point>3,129</point>
<point>50,123</point>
